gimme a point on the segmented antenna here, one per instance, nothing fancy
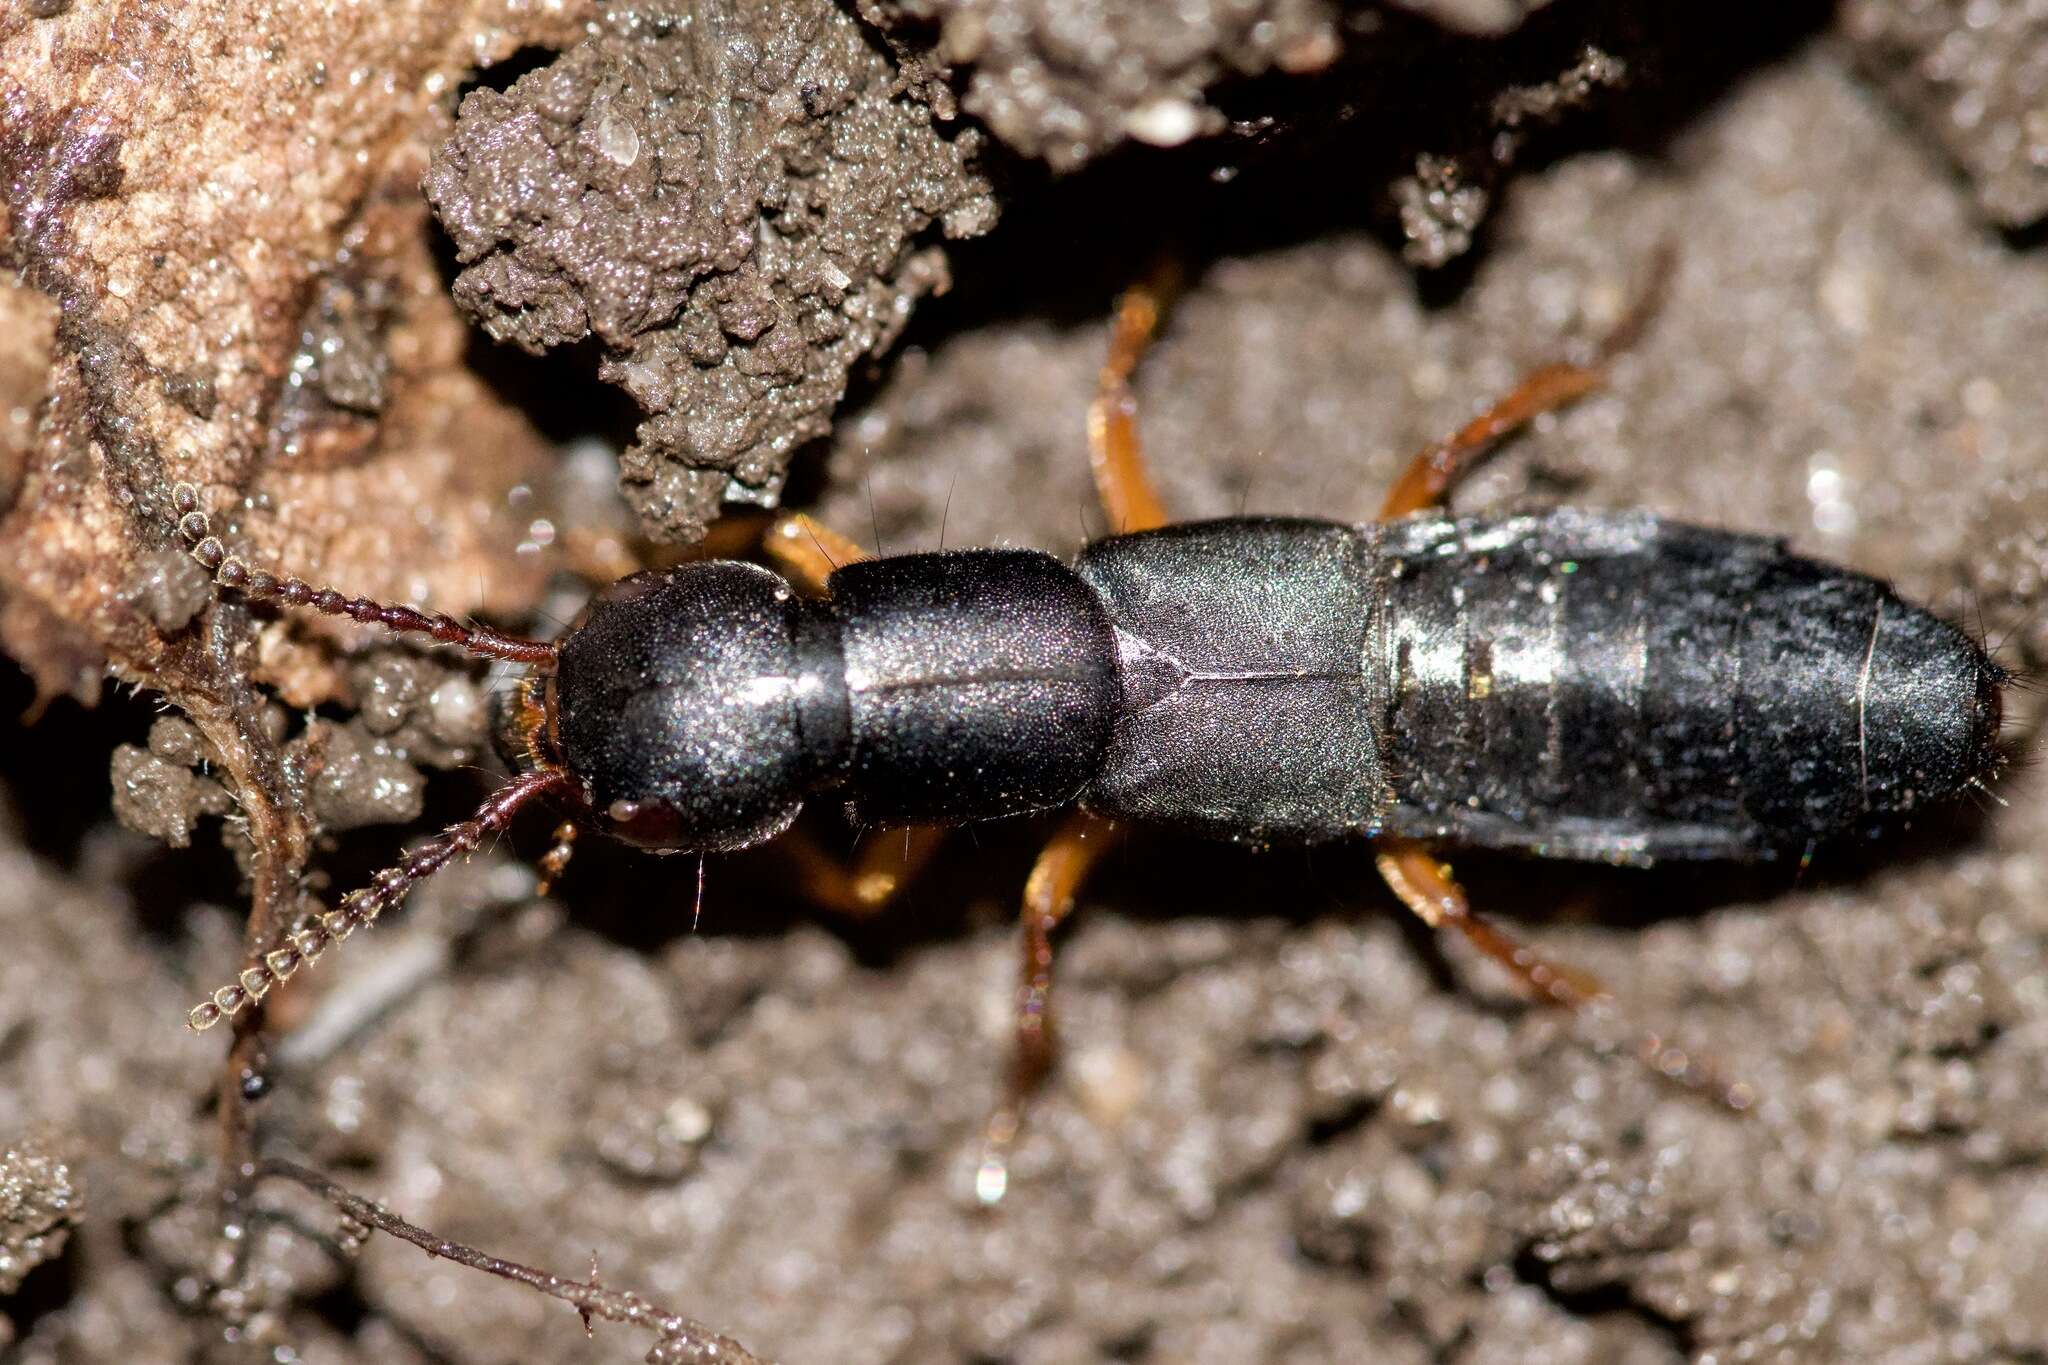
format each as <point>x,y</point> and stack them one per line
<point>360,909</point>
<point>261,586</point>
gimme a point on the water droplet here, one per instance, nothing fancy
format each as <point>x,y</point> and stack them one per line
<point>618,140</point>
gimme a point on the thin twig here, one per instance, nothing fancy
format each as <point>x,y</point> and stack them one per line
<point>279,840</point>
<point>680,1340</point>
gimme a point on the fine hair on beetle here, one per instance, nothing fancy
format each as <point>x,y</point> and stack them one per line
<point>1599,686</point>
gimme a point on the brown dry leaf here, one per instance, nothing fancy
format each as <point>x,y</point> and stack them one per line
<point>221,199</point>
<point>221,202</point>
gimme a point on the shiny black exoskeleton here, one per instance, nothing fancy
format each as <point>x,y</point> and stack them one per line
<point>1591,685</point>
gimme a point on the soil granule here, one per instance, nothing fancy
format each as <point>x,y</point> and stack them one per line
<point>1288,1126</point>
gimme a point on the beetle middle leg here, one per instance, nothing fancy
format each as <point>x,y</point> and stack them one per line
<point>807,551</point>
<point>1130,502</point>
<point>1115,454</point>
<point>1049,894</point>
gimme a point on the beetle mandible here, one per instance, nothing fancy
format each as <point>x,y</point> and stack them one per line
<point>1573,684</point>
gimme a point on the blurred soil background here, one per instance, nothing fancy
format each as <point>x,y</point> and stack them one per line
<point>860,258</point>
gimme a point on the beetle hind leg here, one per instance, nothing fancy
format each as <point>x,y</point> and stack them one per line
<point>1436,469</point>
<point>1426,887</point>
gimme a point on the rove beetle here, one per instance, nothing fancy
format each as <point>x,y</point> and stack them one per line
<point>1608,686</point>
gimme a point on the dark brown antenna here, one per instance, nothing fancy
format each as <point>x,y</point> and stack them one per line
<point>261,586</point>
<point>360,909</point>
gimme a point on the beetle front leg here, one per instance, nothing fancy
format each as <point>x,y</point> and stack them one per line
<point>865,883</point>
<point>807,551</point>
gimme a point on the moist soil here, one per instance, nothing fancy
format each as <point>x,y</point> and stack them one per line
<point>1288,1125</point>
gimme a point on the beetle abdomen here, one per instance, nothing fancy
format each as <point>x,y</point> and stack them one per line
<point>1616,686</point>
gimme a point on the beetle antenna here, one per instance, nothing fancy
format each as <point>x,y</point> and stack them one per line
<point>359,909</point>
<point>262,586</point>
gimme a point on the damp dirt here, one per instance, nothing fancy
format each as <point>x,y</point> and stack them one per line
<point>1973,77</point>
<point>733,201</point>
<point>1287,1126</point>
